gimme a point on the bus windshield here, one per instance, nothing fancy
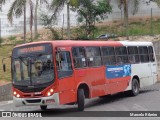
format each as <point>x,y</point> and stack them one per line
<point>32,65</point>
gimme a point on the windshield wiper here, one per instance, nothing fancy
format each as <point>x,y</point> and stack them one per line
<point>21,58</point>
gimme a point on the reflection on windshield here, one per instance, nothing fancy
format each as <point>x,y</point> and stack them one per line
<point>33,70</point>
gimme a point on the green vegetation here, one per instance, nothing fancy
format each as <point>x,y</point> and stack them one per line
<point>5,51</point>
<point>1,40</point>
<point>136,28</point>
<point>12,38</point>
<point>89,13</point>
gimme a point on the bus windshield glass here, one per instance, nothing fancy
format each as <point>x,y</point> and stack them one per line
<point>32,65</point>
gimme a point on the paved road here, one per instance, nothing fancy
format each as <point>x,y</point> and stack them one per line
<point>147,100</point>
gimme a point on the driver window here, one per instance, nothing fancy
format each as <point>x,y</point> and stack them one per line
<point>64,64</point>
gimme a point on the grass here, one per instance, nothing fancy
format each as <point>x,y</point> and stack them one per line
<point>5,51</point>
<point>11,38</point>
<point>136,28</point>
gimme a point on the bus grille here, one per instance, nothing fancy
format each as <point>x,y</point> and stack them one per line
<point>29,90</point>
<point>34,101</point>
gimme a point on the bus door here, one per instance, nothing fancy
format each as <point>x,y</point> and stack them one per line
<point>153,64</point>
<point>65,75</point>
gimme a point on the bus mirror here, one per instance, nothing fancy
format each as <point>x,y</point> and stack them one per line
<point>4,67</point>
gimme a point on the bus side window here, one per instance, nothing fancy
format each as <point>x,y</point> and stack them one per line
<point>144,56</point>
<point>151,54</point>
<point>79,57</point>
<point>64,65</point>
<point>133,55</point>
<point>121,54</point>
<point>93,56</point>
<point>108,56</point>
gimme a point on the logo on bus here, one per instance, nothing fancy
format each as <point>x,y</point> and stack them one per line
<point>118,71</point>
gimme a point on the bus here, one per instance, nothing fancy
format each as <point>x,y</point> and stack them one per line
<point>68,72</point>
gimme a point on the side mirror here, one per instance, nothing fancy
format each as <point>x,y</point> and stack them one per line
<point>4,67</point>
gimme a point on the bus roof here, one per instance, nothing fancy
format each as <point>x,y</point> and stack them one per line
<point>67,43</point>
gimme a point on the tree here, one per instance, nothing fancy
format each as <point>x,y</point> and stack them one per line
<point>58,5</point>
<point>156,1</point>
<point>90,12</point>
<point>18,8</point>
<point>36,16</point>
<point>49,24</point>
<point>124,4</point>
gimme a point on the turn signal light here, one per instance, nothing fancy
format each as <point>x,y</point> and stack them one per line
<point>51,90</point>
<point>18,96</point>
<point>14,93</point>
<point>49,94</point>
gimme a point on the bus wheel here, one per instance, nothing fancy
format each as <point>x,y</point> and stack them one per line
<point>80,99</point>
<point>135,87</point>
<point>43,107</point>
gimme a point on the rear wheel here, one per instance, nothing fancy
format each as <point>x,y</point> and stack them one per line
<point>80,99</point>
<point>43,107</point>
<point>135,87</point>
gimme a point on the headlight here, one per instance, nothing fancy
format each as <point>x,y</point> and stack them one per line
<point>17,95</point>
<point>49,94</point>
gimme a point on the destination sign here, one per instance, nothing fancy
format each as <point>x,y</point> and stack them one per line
<point>31,49</point>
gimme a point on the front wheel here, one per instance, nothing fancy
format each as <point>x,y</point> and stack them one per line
<point>80,99</point>
<point>135,87</point>
<point>43,107</point>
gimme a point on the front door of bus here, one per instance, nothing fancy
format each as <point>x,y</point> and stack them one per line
<point>65,76</point>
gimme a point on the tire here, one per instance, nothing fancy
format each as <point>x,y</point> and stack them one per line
<point>43,107</point>
<point>135,88</point>
<point>80,99</point>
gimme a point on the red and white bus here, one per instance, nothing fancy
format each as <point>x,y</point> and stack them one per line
<point>67,72</point>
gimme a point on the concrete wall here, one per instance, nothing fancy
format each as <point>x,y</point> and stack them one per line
<point>157,51</point>
<point>6,92</point>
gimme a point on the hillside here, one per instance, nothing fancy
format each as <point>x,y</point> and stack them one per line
<point>139,30</point>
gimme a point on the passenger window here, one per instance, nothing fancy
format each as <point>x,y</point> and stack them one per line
<point>121,54</point>
<point>93,56</point>
<point>143,51</point>
<point>64,64</point>
<point>79,57</point>
<point>108,56</point>
<point>151,54</point>
<point>133,55</point>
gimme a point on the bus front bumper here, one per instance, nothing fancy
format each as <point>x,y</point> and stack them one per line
<point>51,100</point>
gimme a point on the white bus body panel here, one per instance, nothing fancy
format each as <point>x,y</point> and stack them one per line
<point>146,72</point>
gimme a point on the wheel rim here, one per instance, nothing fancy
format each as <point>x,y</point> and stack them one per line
<point>135,87</point>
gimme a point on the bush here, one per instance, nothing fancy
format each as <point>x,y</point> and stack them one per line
<point>1,40</point>
<point>11,38</point>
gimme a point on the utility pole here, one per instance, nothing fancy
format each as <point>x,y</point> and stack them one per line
<point>68,21</point>
<point>0,28</point>
<point>63,27</point>
<point>126,18</point>
<point>151,22</point>
<point>0,24</point>
<point>25,23</point>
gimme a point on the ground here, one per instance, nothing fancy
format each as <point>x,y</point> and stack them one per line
<point>147,100</point>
